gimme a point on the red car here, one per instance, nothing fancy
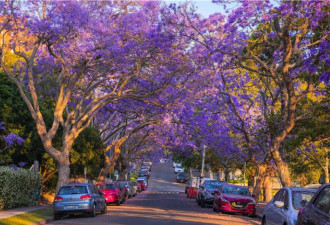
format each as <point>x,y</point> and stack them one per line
<point>142,184</point>
<point>111,193</point>
<point>233,198</point>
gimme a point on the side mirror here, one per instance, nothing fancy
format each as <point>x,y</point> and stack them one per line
<point>279,204</point>
<point>101,193</point>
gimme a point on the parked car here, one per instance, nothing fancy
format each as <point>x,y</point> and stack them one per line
<point>79,198</point>
<point>234,198</point>
<point>317,211</point>
<point>136,186</point>
<point>175,164</point>
<point>182,178</point>
<point>124,187</point>
<point>147,163</point>
<point>206,192</point>
<point>130,189</point>
<point>284,207</point>
<point>142,184</point>
<point>145,168</point>
<point>178,169</point>
<point>111,193</point>
<point>144,173</point>
<point>143,178</point>
<point>133,189</point>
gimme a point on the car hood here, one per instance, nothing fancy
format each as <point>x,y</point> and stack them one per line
<point>237,198</point>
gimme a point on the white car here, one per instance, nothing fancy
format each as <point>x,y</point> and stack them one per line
<point>178,168</point>
<point>175,164</point>
<point>284,207</point>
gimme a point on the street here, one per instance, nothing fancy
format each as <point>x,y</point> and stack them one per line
<point>163,203</point>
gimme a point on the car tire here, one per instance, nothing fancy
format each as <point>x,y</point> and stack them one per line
<point>57,216</point>
<point>118,203</point>
<point>202,203</point>
<point>93,212</point>
<point>263,221</point>
<point>215,209</point>
<point>105,209</point>
<point>198,202</point>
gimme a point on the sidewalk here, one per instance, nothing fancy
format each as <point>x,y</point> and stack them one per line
<point>260,208</point>
<point>13,212</point>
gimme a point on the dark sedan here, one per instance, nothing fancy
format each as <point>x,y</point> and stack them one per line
<point>206,192</point>
<point>182,178</point>
<point>317,211</point>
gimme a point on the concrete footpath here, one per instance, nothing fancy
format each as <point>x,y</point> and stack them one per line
<point>13,212</point>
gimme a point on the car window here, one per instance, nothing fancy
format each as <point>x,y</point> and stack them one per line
<point>236,190</point>
<point>300,199</point>
<point>107,187</point>
<point>213,185</point>
<point>70,190</point>
<point>285,199</point>
<point>322,200</point>
<point>278,196</point>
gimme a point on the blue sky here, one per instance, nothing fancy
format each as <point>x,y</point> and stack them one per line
<point>204,7</point>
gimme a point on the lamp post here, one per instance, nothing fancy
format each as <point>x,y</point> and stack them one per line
<point>203,161</point>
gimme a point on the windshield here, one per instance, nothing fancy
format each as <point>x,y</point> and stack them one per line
<point>179,167</point>
<point>236,190</point>
<point>107,186</point>
<point>213,185</point>
<point>300,199</point>
<point>72,190</point>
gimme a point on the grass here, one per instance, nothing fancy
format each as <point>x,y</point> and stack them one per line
<point>28,217</point>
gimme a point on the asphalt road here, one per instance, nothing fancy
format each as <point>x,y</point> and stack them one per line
<point>164,203</point>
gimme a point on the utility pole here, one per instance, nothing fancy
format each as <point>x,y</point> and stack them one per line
<point>203,161</point>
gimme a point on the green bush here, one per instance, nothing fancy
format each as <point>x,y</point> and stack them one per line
<point>18,187</point>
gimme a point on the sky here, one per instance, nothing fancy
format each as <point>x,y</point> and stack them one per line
<point>204,7</point>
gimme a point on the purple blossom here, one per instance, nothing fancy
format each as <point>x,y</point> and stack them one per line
<point>12,138</point>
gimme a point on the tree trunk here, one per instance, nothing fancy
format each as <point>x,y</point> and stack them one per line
<point>326,169</point>
<point>226,171</point>
<point>191,172</point>
<point>261,173</point>
<point>268,188</point>
<point>210,173</point>
<point>63,167</point>
<point>282,167</point>
<point>105,170</point>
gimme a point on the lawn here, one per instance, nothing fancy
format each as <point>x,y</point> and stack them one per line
<point>28,217</point>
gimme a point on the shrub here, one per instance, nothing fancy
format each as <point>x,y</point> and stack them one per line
<point>18,187</point>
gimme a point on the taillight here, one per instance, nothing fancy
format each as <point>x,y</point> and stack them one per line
<point>58,199</point>
<point>300,211</point>
<point>85,197</point>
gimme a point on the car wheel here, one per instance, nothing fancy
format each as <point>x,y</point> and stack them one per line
<point>263,221</point>
<point>105,209</point>
<point>214,208</point>
<point>93,212</point>
<point>118,203</point>
<point>57,216</point>
<point>202,203</point>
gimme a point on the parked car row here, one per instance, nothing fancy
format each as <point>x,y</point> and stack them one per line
<point>299,206</point>
<point>91,199</point>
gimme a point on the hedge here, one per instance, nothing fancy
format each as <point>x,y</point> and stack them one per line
<point>18,187</point>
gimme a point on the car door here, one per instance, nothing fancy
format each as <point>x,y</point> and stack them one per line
<point>272,209</point>
<point>97,197</point>
<point>320,209</point>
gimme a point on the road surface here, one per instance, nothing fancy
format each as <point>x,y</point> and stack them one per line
<point>164,203</point>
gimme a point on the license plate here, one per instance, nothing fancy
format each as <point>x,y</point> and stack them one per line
<point>71,207</point>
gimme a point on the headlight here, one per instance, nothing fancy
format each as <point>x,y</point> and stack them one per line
<point>223,200</point>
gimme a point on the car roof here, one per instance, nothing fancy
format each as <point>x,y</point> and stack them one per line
<point>77,184</point>
<point>300,189</point>
<point>234,185</point>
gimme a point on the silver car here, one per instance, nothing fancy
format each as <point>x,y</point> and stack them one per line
<point>284,207</point>
<point>79,198</point>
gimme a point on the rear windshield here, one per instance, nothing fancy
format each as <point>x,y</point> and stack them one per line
<point>107,187</point>
<point>179,167</point>
<point>236,190</point>
<point>72,190</point>
<point>300,199</point>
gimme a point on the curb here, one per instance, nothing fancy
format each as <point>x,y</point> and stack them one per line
<point>44,221</point>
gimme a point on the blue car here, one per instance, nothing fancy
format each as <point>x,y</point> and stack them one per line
<point>79,198</point>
